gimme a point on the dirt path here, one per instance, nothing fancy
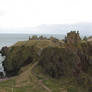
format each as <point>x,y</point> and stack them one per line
<point>44,86</point>
<point>40,81</point>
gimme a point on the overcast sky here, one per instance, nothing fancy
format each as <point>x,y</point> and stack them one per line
<point>16,14</point>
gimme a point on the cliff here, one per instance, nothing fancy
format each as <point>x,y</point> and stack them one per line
<point>53,64</point>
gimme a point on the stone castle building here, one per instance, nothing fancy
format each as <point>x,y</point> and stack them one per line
<point>72,37</point>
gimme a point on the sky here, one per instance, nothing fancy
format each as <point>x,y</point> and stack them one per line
<point>19,14</point>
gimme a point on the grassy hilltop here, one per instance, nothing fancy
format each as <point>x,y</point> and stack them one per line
<point>48,65</point>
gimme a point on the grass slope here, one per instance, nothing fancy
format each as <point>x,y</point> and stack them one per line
<point>37,43</point>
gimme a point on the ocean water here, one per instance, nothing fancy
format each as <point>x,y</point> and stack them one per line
<point>10,39</point>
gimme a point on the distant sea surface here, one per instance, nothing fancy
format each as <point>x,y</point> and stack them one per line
<point>10,39</point>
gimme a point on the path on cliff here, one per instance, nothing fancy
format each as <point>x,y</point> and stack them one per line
<point>30,74</point>
<point>39,81</point>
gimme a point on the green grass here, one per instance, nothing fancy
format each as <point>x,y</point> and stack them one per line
<point>7,83</point>
<point>72,89</point>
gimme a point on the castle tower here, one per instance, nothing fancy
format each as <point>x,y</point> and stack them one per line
<point>72,37</point>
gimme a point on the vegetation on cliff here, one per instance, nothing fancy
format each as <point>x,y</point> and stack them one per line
<point>57,62</point>
<point>18,57</point>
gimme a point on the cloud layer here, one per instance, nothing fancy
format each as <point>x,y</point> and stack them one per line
<point>31,13</point>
